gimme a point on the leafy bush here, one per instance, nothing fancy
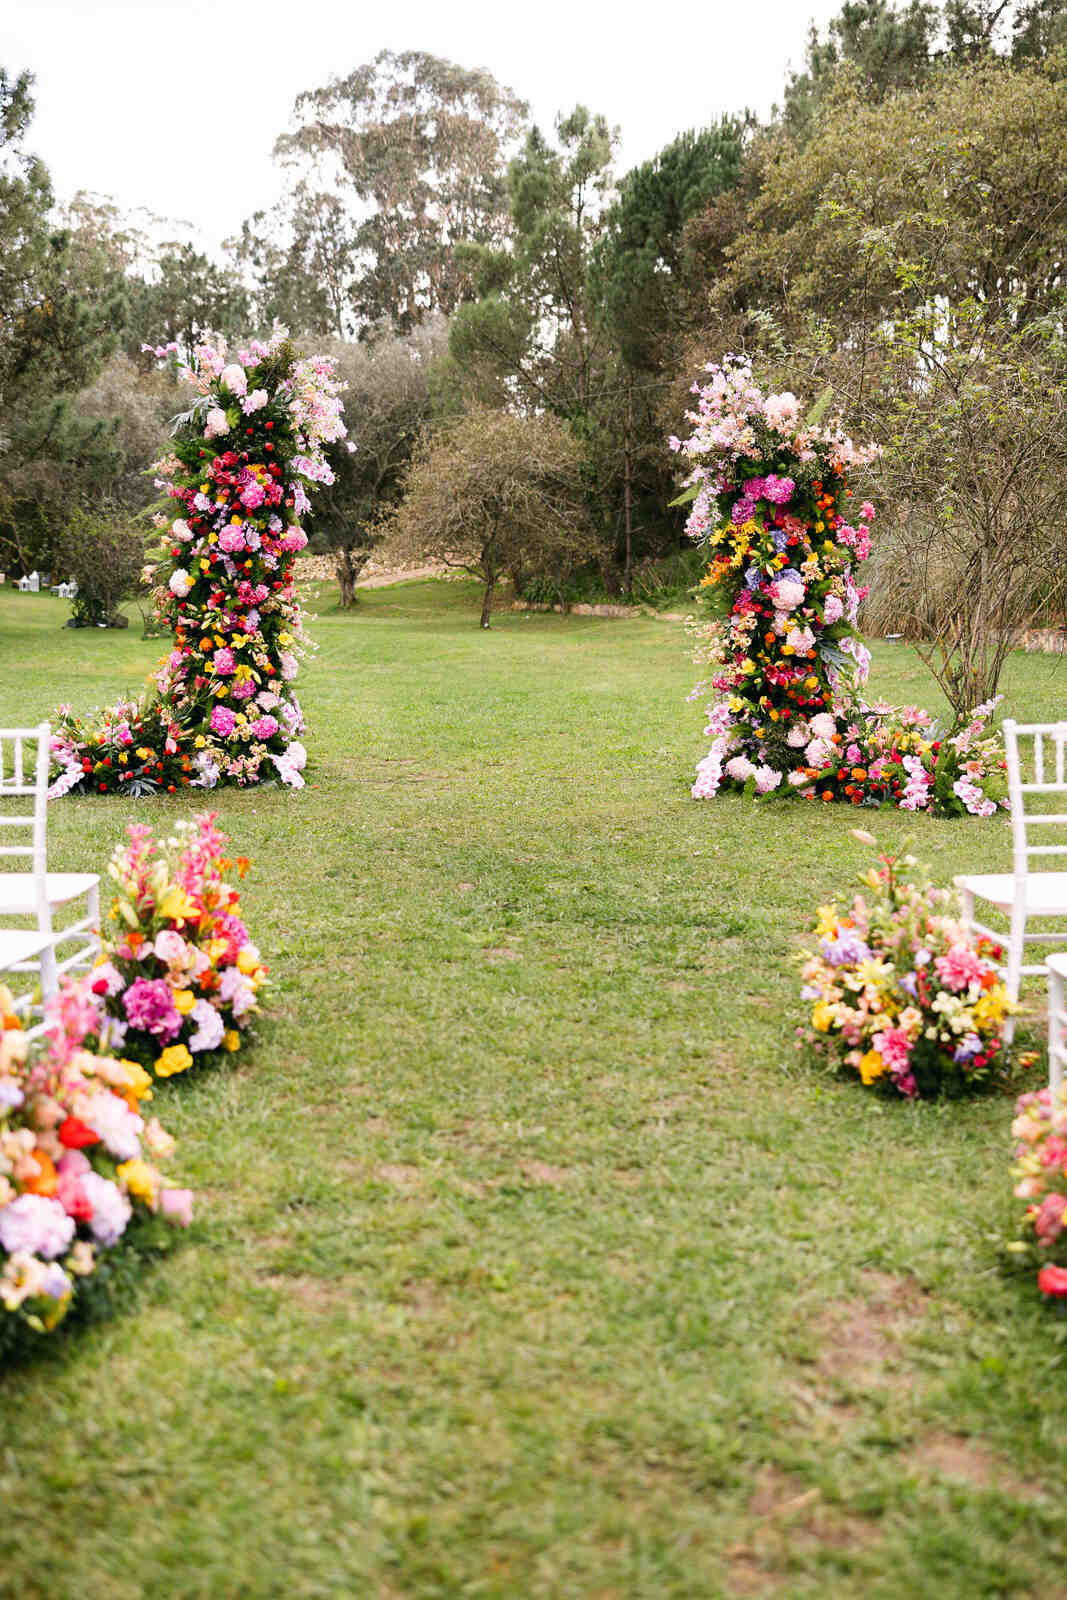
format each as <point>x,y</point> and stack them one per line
<point>104,553</point>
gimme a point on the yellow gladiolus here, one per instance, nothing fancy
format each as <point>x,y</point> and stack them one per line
<point>176,905</point>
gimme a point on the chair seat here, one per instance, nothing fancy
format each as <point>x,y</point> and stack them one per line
<point>1046,892</point>
<point>16,946</point>
<point>17,898</point>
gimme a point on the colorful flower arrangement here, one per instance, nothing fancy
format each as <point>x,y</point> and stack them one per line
<point>771,500</point>
<point>1040,1170</point>
<point>78,1177</point>
<point>899,993</point>
<point>246,458</point>
<point>179,978</point>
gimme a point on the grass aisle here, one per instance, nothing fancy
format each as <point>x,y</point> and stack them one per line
<point>529,1261</point>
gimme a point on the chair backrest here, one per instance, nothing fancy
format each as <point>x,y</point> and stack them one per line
<point>24,759</point>
<point>1037,775</point>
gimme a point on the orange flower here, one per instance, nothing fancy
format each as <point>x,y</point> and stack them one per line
<point>46,1181</point>
<point>859,773</point>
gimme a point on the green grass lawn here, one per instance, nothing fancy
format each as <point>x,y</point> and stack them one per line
<point>531,1260</point>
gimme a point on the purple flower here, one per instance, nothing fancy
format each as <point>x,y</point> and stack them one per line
<point>844,949</point>
<point>150,1007</point>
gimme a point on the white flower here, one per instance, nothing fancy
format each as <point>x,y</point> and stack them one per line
<point>233,377</point>
<point>180,583</point>
<point>255,401</point>
<point>181,529</point>
<point>216,423</point>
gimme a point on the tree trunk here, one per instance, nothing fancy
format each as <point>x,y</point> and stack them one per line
<point>487,602</point>
<point>628,581</point>
<point>346,577</point>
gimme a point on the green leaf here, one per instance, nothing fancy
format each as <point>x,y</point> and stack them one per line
<point>818,410</point>
<point>687,496</point>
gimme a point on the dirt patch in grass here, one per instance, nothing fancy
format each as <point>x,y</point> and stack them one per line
<point>785,1515</point>
<point>501,952</point>
<point>860,1338</point>
<point>399,1175</point>
<point>317,1294</point>
<point>971,1461</point>
<point>541,1172</point>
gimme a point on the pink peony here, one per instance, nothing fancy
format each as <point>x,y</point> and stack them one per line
<point>1048,1223</point>
<point>959,968</point>
<point>149,1006</point>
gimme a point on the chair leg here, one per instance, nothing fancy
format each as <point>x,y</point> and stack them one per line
<point>1016,939</point>
<point>1055,1031</point>
<point>49,978</point>
<point>967,907</point>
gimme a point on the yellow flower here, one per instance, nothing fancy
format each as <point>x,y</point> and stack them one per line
<point>247,960</point>
<point>144,752</point>
<point>138,1081</point>
<point>199,742</point>
<point>217,949</point>
<point>205,564</point>
<point>871,1066</point>
<point>243,670</point>
<point>176,905</point>
<point>822,1017</point>
<point>827,922</point>
<point>184,1001</point>
<point>231,1040</point>
<point>139,1179</point>
<point>175,1058</point>
<point>285,638</point>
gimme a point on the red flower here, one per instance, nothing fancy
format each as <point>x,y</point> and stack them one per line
<point>76,1134</point>
<point>1052,1281</point>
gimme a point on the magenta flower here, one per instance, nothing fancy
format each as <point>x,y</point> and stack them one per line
<point>149,1006</point>
<point>225,663</point>
<point>265,727</point>
<point>223,721</point>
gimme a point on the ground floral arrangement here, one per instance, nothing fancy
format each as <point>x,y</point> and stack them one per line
<point>771,503</point>
<point>247,456</point>
<point>1040,1132</point>
<point>900,995</point>
<point>179,978</point>
<point>79,1183</point>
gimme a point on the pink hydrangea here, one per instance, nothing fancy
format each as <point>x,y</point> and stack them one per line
<point>36,1224</point>
<point>225,663</point>
<point>265,727</point>
<point>223,721</point>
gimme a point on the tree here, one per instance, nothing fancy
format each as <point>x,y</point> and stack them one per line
<point>974,474</point>
<point>412,148</point>
<point>58,325</point>
<point>387,403</point>
<point>186,296</point>
<point>637,269</point>
<point>953,190</point>
<point>492,494</point>
<point>104,553</point>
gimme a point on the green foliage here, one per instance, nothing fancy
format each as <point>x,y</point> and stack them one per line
<point>636,271</point>
<point>104,552</point>
<point>417,145</point>
<point>495,494</point>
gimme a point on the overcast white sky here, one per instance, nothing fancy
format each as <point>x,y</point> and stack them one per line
<point>175,106</point>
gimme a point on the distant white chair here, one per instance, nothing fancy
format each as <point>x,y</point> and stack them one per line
<point>1057,1019</point>
<point>37,893</point>
<point>65,591</point>
<point>1035,753</point>
<point>31,584</point>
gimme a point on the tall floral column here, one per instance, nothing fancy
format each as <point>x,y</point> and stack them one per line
<point>772,504</point>
<point>247,457</point>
